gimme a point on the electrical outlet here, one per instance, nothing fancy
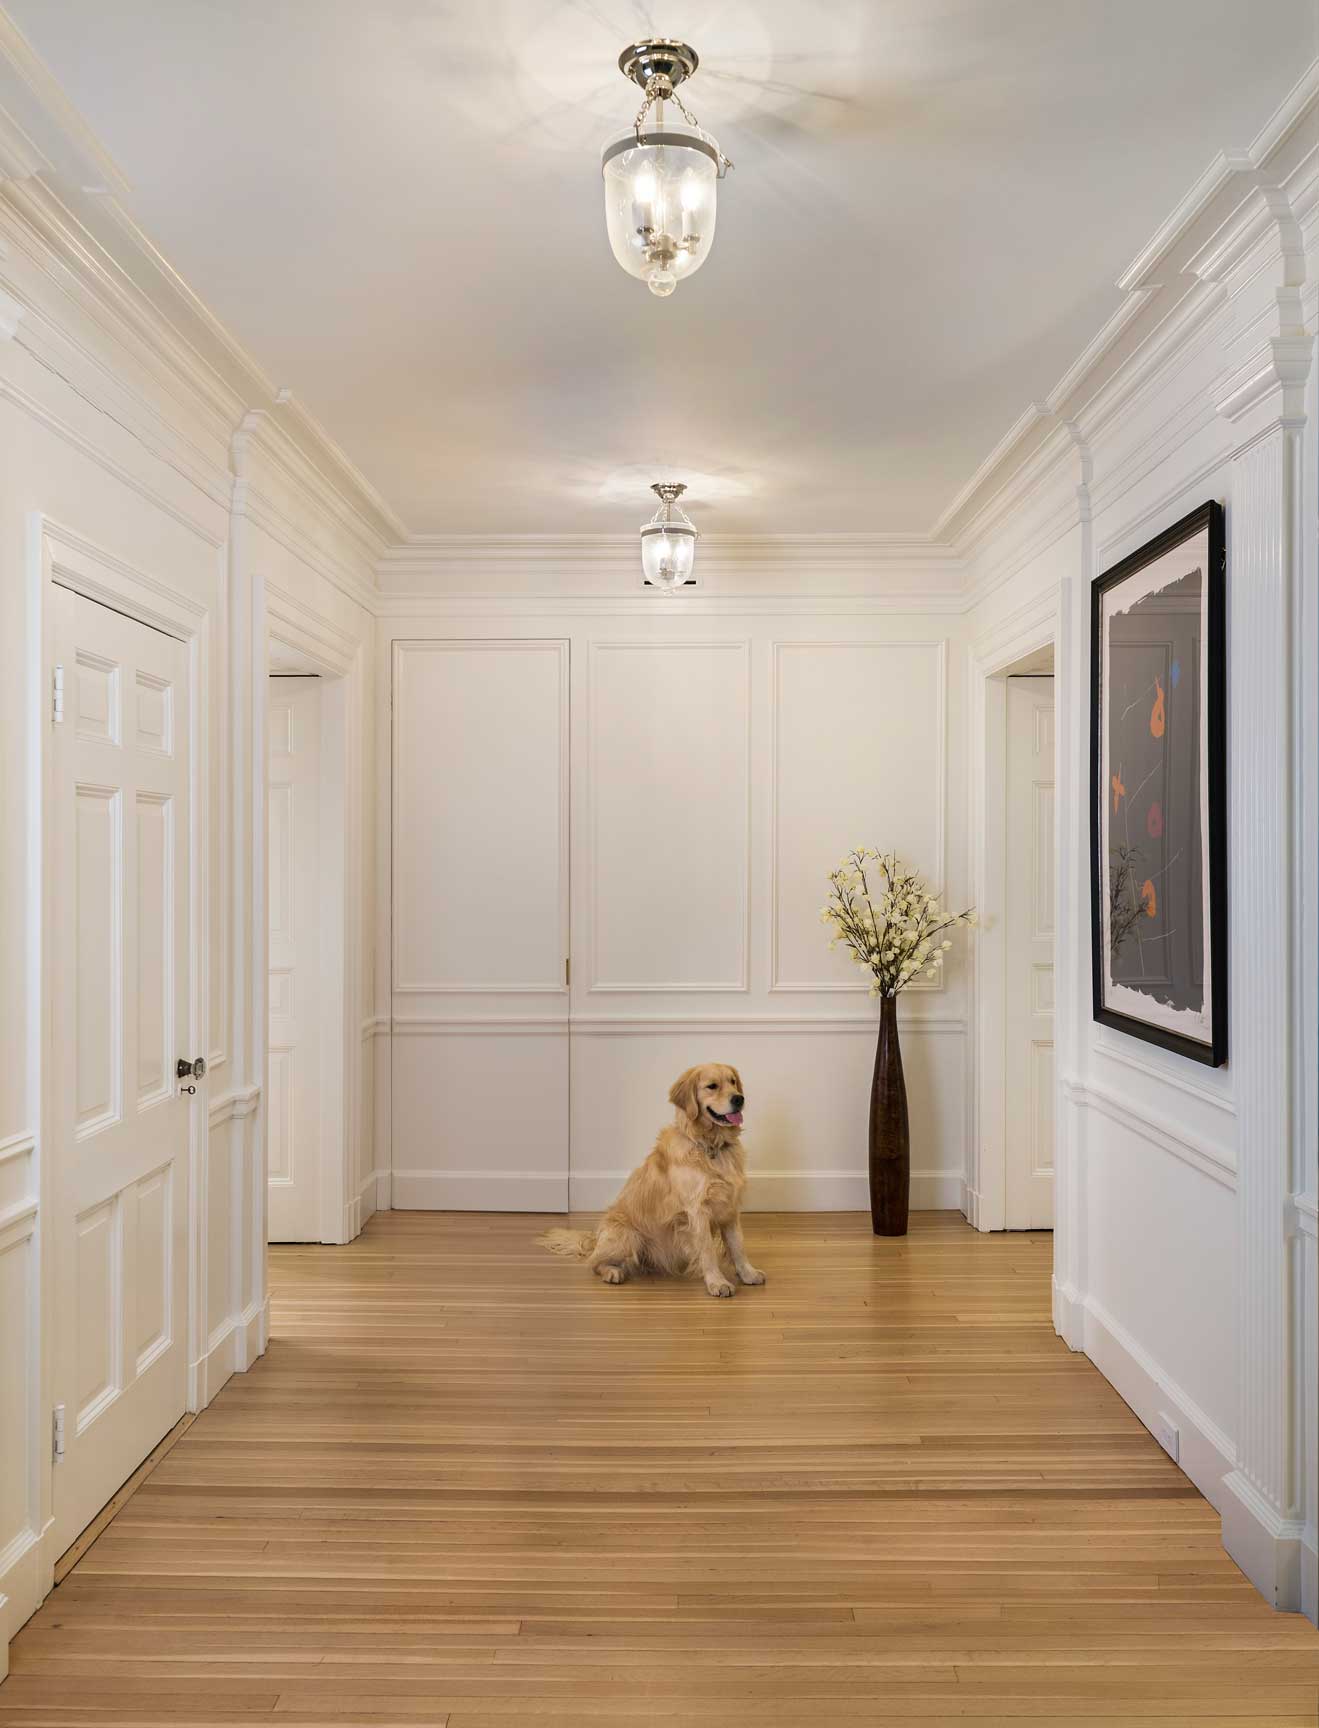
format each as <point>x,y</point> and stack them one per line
<point>1167,1435</point>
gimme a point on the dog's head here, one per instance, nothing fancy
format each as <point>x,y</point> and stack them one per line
<point>710,1096</point>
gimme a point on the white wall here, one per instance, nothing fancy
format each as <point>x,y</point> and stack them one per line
<point>168,462</point>
<point>1185,1248</point>
<point>726,747</point>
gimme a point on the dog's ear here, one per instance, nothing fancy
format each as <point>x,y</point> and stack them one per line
<point>682,1093</point>
<point>737,1081</point>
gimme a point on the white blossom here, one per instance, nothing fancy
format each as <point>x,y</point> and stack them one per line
<point>888,918</point>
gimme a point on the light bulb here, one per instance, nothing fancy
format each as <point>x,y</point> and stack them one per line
<point>643,187</point>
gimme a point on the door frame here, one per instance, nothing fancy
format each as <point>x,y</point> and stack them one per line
<point>341,664</point>
<point>1017,1162</point>
<point>60,557</point>
<point>991,657</point>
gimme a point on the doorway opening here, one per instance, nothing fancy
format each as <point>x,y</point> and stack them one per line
<point>308,1109</point>
<point>1029,932</point>
<point>1017,891</point>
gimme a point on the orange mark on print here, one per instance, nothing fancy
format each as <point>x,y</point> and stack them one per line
<point>1119,792</point>
<point>1157,713</point>
<point>1148,898</point>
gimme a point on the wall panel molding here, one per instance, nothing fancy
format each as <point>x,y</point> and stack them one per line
<point>666,836</point>
<point>779,649</point>
<point>651,1025</point>
<point>1114,1052</point>
<point>771,1190</point>
<point>402,983</point>
<point>1203,1155</point>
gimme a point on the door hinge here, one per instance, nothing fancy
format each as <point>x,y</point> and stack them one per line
<point>57,1433</point>
<point>57,697</point>
<point>567,972</point>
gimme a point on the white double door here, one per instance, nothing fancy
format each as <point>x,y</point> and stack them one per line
<point>525,837</point>
<point>120,934</point>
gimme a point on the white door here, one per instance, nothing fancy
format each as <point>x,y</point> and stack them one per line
<point>1029,937</point>
<point>120,1024</point>
<point>297,932</point>
<point>480,997</point>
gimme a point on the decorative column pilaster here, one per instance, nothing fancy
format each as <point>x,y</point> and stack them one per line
<point>1071,667</point>
<point>247,692</point>
<point>1261,395</point>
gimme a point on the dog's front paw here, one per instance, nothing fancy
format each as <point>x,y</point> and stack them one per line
<point>751,1275</point>
<point>611,1274</point>
<point>719,1287</point>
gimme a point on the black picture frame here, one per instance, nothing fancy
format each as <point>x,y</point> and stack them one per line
<point>1134,1006</point>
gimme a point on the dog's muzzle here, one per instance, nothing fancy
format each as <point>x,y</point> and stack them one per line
<point>732,1119</point>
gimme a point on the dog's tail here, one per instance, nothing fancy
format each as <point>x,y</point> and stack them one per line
<point>572,1244</point>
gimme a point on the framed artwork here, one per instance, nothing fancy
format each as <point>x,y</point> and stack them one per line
<point>1158,854</point>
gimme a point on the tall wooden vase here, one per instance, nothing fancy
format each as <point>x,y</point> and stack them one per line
<point>890,1135</point>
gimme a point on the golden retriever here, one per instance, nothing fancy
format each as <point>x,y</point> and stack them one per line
<point>679,1211</point>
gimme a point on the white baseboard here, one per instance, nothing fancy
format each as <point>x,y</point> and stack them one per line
<point>593,1190</point>
<point>1069,1315</point>
<point>1310,1576</point>
<point>25,1578</point>
<point>791,1190</point>
<point>478,1191</point>
<point>1206,1454</point>
<point>1268,1548</point>
<point>372,1196</point>
<point>232,1348</point>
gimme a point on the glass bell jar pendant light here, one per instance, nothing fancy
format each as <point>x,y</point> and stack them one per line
<point>668,540</point>
<point>660,178</point>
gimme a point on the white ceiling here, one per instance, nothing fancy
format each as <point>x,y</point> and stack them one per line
<point>395,206</point>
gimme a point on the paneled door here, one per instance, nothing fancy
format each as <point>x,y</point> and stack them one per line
<point>480,925</point>
<point>297,930</point>
<point>121,939</point>
<point>1029,927</point>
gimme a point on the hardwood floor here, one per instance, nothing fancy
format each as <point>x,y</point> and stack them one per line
<point>469,1484</point>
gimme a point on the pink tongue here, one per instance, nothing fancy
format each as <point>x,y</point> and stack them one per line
<point>734,1117</point>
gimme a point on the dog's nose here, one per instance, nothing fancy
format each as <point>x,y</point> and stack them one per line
<point>738,1100</point>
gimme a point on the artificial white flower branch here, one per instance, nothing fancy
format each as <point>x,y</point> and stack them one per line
<point>898,930</point>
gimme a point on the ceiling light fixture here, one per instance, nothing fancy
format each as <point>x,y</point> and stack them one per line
<point>668,540</point>
<point>661,181</point>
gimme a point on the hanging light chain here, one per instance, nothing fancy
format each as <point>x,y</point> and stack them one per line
<point>660,89</point>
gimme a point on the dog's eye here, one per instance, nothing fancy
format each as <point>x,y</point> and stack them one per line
<point>713,1086</point>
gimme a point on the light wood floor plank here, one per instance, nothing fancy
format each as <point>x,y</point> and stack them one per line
<point>471,1486</point>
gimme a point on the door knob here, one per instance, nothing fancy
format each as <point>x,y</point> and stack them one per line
<point>197,1068</point>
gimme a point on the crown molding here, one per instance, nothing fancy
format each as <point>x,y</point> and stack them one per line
<point>19,157</point>
<point>1227,218</point>
<point>69,192</point>
<point>1226,166</point>
<point>1021,427</point>
<point>30,69</point>
<point>416,608</point>
<point>474,564</point>
<point>1100,345</point>
<point>319,451</point>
